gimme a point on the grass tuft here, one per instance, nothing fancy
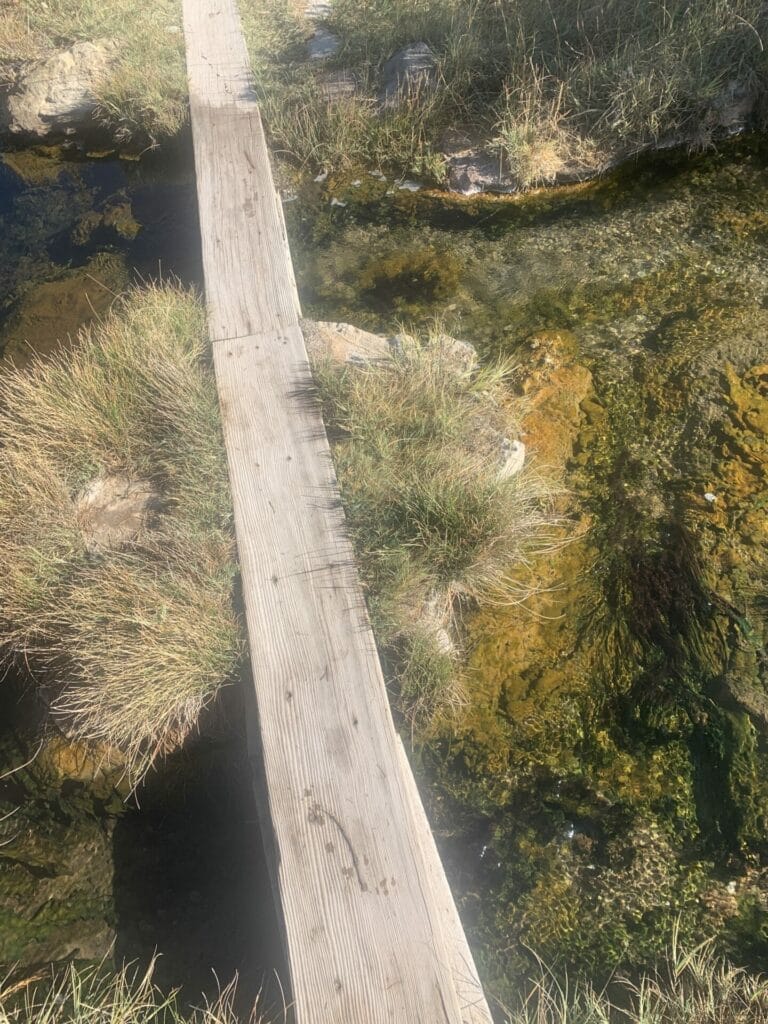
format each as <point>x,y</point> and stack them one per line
<point>94,995</point>
<point>693,986</point>
<point>145,632</point>
<point>436,528</point>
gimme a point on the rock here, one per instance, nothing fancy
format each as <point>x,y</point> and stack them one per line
<point>56,96</point>
<point>513,458</point>
<point>322,44</point>
<point>343,343</point>
<point>113,511</point>
<point>462,355</point>
<point>408,73</point>
<point>478,171</point>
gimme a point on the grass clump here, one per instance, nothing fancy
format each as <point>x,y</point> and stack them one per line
<point>693,986</point>
<point>144,94</point>
<point>554,88</point>
<point>436,525</point>
<point>94,995</point>
<point>116,521</point>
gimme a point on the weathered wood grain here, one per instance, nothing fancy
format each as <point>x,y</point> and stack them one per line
<point>370,925</point>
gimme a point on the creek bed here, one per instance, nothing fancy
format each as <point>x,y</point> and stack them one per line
<point>607,777</point>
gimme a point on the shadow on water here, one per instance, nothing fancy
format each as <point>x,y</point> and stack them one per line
<point>190,874</point>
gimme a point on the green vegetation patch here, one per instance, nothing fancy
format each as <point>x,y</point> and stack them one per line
<point>553,88</point>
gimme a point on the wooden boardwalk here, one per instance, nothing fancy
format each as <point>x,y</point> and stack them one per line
<point>370,926</point>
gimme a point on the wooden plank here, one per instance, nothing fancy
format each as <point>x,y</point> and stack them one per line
<point>363,929</point>
<point>474,1006</point>
<point>369,921</point>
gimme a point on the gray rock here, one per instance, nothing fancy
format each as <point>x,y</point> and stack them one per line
<point>56,96</point>
<point>409,72</point>
<point>323,44</point>
<point>478,171</point>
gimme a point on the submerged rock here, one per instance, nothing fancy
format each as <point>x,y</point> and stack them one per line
<point>57,96</point>
<point>408,73</point>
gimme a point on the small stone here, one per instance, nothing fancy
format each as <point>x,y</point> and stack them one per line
<point>321,177</point>
<point>409,186</point>
<point>710,497</point>
<point>409,72</point>
<point>337,202</point>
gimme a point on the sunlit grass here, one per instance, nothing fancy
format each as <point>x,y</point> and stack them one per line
<point>95,995</point>
<point>139,635</point>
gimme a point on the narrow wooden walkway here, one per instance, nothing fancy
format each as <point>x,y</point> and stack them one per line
<point>371,929</point>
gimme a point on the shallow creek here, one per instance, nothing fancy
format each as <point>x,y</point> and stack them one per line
<point>609,773</point>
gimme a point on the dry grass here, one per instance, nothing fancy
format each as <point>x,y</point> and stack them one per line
<point>436,528</point>
<point>692,987</point>
<point>145,94</point>
<point>94,995</point>
<point>143,635</point>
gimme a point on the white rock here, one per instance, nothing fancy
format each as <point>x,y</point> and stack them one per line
<point>337,202</point>
<point>513,455</point>
<point>710,497</point>
<point>321,177</point>
<point>409,186</point>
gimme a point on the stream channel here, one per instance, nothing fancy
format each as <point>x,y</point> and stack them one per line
<point>607,780</point>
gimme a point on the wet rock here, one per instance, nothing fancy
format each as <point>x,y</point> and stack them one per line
<point>409,72</point>
<point>478,171</point>
<point>56,96</point>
